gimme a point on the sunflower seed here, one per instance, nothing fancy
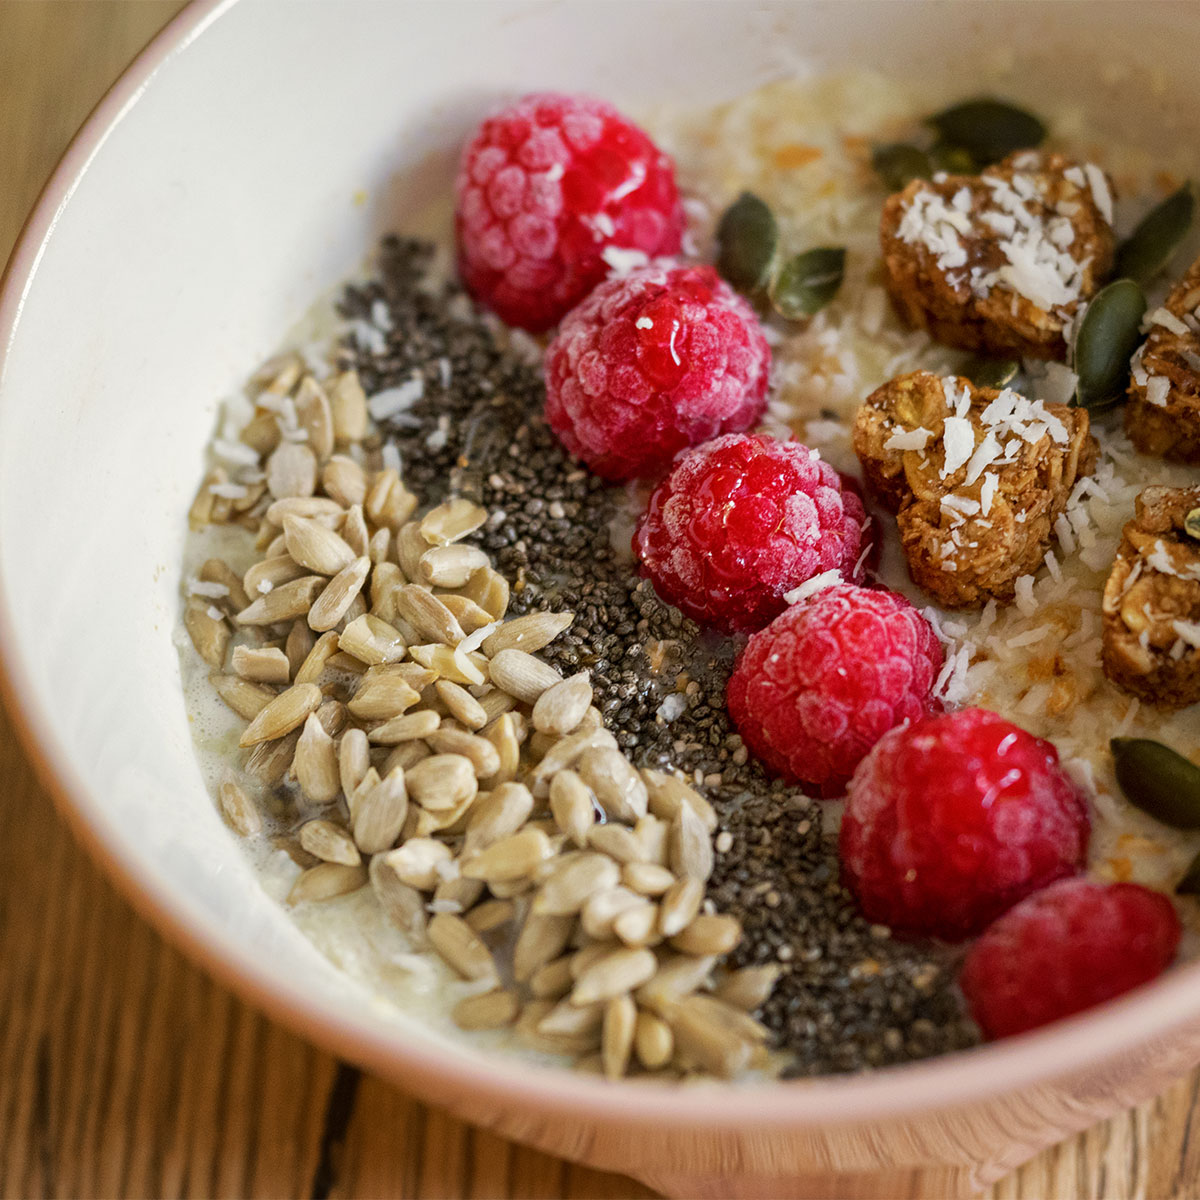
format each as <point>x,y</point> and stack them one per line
<point>677,977</point>
<point>405,755</point>
<point>451,566</point>
<point>442,781</point>
<point>614,972</point>
<point>667,792</point>
<point>461,947</point>
<point>560,708</point>
<point>403,904</point>
<point>618,786</point>
<point>285,712</point>
<point>708,934</point>
<point>382,694</point>
<point>385,579</point>
<point>344,480</point>
<point>270,573</point>
<point>283,603</point>
<point>488,589</point>
<point>620,1024</point>
<point>530,633</point>
<point>602,908</point>
<point>488,1010</point>
<point>372,641</point>
<point>484,756</point>
<point>553,980</point>
<point>645,878</point>
<point>654,836</point>
<point>542,939</point>
<point>406,728</point>
<point>691,848</point>
<point>280,374</point>
<point>261,433</point>
<point>490,915</point>
<point>388,501</point>
<point>704,1039</point>
<point>319,508</point>
<point>410,545</point>
<point>315,416</point>
<point>354,760</point>
<point>497,816</point>
<point>461,704</point>
<point>466,612</point>
<point>332,604</point>
<point>217,570</point>
<point>325,881</point>
<point>420,862</point>
<point>638,925</point>
<point>239,810</point>
<point>527,1030</point>
<point>568,887</point>
<point>679,906</point>
<point>316,764</point>
<point>246,699</point>
<point>509,858</point>
<point>451,521</point>
<point>572,1020</point>
<point>566,753</point>
<point>268,762</point>
<point>653,1041</point>
<point>451,663</point>
<point>200,513</point>
<point>502,734</point>
<point>617,842</point>
<point>749,987</point>
<point>315,546</point>
<point>315,661</point>
<point>261,665</point>
<point>573,806</point>
<point>379,815</point>
<point>291,471</point>
<point>210,635</point>
<point>348,402</point>
<point>329,842</point>
<point>431,619</point>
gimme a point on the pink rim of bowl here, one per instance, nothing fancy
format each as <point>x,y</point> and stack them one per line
<point>954,1080</point>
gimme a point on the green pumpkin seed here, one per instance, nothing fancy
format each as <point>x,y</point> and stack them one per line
<point>1158,780</point>
<point>954,160</point>
<point>1191,524</point>
<point>898,164</point>
<point>747,239</point>
<point>808,282</point>
<point>1189,885</point>
<point>990,372</point>
<point>987,129</point>
<point>1107,338</point>
<point>1150,246</point>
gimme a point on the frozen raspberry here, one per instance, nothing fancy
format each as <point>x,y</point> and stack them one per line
<point>1071,946</point>
<point>544,188</point>
<point>741,520</point>
<point>649,363</point>
<point>951,821</point>
<point>816,689</point>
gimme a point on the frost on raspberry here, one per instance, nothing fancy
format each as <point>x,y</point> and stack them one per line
<point>544,189</point>
<point>741,521</point>
<point>815,690</point>
<point>651,363</point>
<point>1066,949</point>
<point>952,820</point>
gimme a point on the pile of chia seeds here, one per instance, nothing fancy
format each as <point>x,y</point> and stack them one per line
<point>850,997</point>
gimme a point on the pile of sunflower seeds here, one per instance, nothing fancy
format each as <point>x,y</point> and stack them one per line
<point>849,996</point>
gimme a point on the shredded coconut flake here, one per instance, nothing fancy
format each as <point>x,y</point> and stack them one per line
<point>1158,388</point>
<point>810,587</point>
<point>391,401</point>
<point>907,439</point>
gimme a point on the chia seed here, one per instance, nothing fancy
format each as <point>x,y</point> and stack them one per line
<point>850,997</point>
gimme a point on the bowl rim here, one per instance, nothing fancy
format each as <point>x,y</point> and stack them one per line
<point>977,1075</point>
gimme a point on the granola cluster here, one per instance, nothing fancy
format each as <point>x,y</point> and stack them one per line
<point>1000,262</point>
<point>976,477</point>
<point>1152,601</point>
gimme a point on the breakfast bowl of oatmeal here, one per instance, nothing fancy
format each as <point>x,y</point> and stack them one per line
<point>649,594</point>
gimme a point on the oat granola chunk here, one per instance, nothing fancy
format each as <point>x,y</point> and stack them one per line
<point>1163,413</point>
<point>976,477</point>
<point>1152,602</point>
<point>1001,261</point>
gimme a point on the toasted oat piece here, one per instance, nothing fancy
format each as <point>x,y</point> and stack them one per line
<point>1163,413</point>
<point>1001,261</point>
<point>1152,602</point>
<point>975,476</point>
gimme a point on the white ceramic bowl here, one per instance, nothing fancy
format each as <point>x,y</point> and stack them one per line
<point>207,201</point>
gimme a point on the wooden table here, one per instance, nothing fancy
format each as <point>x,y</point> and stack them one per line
<point>126,1072</point>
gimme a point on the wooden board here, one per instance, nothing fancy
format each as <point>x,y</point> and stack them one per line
<point>124,1071</point>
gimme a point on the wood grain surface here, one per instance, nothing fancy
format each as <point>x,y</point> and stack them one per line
<point>124,1071</point>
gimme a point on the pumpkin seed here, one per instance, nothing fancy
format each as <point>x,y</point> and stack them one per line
<point>897,164</point>
<point>1107,338</point>
<point>987,129</point>
<point>807,282</point>
<point>1150,246</point>
<point>1191,523</point>
<point>954,160</point>
<point>1189,885</point>
<point>747,238</point>
<point>990,372</point>
<point>1158,780</point>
